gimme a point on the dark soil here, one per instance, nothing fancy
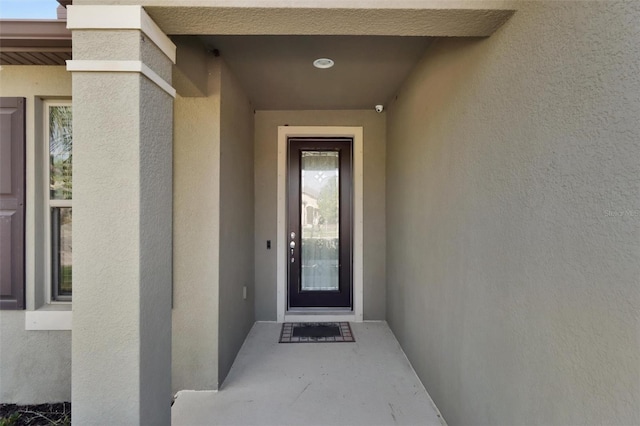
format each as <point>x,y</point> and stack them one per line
<point>42,414</point>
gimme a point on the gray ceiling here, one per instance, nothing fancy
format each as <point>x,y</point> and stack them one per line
<point>277,71</point>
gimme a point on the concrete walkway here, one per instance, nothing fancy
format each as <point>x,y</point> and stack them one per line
<point>369,382</point>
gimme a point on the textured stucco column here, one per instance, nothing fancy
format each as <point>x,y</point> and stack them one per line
<point>123,113</point>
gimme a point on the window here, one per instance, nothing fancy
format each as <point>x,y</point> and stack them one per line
<point>59,196</point>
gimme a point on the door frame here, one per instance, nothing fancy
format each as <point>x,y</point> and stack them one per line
<point>314,314</point>
<point>342,298</point>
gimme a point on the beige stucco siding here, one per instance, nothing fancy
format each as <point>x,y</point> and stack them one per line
<point>512,213</point>
<point>236,220</point>
<point>35,366</point>
<point>213,230</point>
<point>266,159</point>
<point>196,230</point>
<point>121,339</point>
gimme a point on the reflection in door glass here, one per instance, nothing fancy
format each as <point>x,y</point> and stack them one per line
<point>319,220</point>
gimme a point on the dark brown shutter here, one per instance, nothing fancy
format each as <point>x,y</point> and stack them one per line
<point>12,188</point>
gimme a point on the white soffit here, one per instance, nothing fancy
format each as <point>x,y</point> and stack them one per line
<point>119,18</point>
<point>426,18</point>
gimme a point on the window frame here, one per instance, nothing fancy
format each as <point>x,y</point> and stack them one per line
<point>51,293</point>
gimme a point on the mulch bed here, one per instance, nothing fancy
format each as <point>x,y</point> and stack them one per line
<point>42,414</point>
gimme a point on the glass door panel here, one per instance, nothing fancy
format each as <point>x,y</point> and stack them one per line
<point>320,209</point>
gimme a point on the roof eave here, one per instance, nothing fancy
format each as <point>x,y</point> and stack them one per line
<point>34,42</point>
<point>31,32</point>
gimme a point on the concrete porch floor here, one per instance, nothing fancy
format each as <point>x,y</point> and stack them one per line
<point>369,382</point>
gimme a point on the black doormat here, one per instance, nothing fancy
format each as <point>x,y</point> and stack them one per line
<point>316,332</point>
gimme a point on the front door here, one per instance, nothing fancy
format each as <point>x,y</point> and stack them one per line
<point>319,240</point>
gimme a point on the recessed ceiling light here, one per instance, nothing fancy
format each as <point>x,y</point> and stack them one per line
<point>323,63</point>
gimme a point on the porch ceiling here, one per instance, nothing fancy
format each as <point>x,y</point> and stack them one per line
<point>270,44</point>
<point>278,74</point>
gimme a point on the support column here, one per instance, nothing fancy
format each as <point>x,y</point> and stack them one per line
<point>123,123</point>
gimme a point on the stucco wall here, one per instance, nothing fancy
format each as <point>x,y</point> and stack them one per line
<point>35,366</point>
<point>213,230</point>
<point>513,219</point>
<point>266,159</point>
<point>196,220</point>
<point>121,339</point>
<point>236,220</point>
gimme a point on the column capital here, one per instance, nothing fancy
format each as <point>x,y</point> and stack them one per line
<point>119,17</point>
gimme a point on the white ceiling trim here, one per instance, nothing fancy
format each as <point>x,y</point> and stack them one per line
<point>426,18</point>
<point>330,4</point>
<point>121,66</point>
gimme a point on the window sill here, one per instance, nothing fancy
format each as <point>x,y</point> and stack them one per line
<point>49,317</point>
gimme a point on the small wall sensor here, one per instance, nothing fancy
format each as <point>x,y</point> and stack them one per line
<point>379,108</point>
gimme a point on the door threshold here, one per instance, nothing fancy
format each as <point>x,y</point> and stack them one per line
<point>320,315</point>
<point>320,311</point>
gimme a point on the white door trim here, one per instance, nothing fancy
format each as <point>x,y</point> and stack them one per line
<point>285,132</point>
